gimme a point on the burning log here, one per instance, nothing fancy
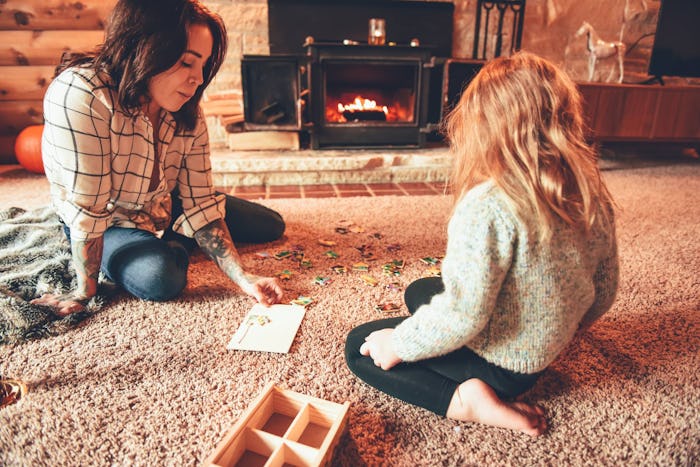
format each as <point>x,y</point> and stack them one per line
<point>364,115</point>
<point>363,110</point>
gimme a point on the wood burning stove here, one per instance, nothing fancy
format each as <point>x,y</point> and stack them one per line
<point>353,95</point>
<point>324,80</point>
<point>367,96</point>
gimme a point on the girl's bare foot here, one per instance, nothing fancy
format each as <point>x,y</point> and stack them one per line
<point>476,401</point>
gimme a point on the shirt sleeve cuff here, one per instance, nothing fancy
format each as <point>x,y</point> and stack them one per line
<point>200,215</point>
<point>83,224</point>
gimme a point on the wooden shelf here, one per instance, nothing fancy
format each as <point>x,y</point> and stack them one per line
<point>654,113</point>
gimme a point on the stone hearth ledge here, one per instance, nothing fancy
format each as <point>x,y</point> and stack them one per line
<point>311,167</point>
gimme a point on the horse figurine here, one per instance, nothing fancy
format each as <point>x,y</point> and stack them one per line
<point>598,48</point>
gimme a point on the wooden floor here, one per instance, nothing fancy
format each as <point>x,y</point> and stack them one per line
<point>334,190</point>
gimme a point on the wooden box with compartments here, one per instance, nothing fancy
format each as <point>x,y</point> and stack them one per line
<point>283,427</point>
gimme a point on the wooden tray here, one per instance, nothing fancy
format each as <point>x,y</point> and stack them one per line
<point>282,427</point>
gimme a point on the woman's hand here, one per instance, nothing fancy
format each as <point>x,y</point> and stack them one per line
<point>377,346</point>
<point>215,241</point>
<point>265,290</point>
<point>86,256</point>
<point>63,305</point>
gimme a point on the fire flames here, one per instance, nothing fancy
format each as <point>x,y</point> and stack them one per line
<point>361,104</point>
<point>360,109</point>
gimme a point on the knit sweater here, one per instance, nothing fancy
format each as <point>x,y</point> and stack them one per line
<point>513,299</point>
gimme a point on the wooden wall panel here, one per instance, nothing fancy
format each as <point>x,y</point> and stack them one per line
<point>18,83</point>
<point>33,36</point>
<point>54,14</point>
<point>17,115</point>
<point>7,149</point>
<point>44,47</point>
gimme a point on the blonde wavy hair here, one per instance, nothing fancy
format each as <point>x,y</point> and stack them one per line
<point>520,124</point>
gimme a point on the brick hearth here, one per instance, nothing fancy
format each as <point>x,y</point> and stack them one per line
<point>313,167</point>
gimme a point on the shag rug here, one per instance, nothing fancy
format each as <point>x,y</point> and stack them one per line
<point>141,383</point>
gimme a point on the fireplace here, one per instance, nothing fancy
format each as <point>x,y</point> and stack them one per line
<point>324,81</point>
<point>367,96</point>
<point>353,95</point>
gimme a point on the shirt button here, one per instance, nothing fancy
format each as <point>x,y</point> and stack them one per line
<point>110,206</point>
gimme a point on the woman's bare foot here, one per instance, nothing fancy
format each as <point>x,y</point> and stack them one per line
<point>62,305</point>
<point>476,401</point>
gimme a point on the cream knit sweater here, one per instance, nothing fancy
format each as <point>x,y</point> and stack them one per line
<point>512,299</point>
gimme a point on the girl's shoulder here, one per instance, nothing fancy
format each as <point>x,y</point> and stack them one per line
<point>486,197</point>
<point>486,204</point>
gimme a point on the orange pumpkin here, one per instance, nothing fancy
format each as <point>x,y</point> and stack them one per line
<point>28,148</point>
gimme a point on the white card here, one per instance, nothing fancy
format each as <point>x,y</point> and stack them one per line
<point>268,329</point>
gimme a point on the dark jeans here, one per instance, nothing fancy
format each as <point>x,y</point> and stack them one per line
<point>429,383</point>
<point>153,268</point>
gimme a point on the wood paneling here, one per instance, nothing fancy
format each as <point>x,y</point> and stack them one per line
<point>17,115</point>
<point>7,149</point>
<point>33,36</point>
<point>44,47</point>
<point>19,83</point>
<point>34,15</point>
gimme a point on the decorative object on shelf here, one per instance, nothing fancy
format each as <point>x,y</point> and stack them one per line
<point>512,11</point>
<point>377,31</point>
<point>598,48</point>
<point>28,148</point>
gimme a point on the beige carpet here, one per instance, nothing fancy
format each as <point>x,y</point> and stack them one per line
<point>152,384</point>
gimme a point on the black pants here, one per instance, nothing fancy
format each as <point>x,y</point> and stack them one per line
<point>429,383</point>
<point>247,222</point>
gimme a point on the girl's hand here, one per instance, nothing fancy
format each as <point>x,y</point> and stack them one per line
<point>265,290</point>
<point>63,305</point>
<point>377,346</point>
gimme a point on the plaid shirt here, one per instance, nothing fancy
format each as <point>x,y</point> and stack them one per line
<point>99,162</point>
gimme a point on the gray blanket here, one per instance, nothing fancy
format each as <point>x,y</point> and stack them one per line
<point>35,259</point>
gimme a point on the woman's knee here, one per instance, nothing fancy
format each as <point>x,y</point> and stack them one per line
<point>251,222</point>
<point>276,226</point>
<point>156,273</point>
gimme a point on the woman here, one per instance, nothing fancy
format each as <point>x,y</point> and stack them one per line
<point>126,153</point>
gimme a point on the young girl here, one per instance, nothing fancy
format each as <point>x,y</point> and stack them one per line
<point>126,152</point>
<point>531,255</point>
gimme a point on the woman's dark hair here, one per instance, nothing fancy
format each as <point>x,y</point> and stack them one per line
<point>146,37</point>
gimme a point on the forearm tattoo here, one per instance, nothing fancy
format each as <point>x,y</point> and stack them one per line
<point>216,241</point>
<point>87,256</point>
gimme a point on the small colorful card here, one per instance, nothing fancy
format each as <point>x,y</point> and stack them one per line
<point>268,329</point>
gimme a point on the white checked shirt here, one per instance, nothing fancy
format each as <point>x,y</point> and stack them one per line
<point>99,162</point>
